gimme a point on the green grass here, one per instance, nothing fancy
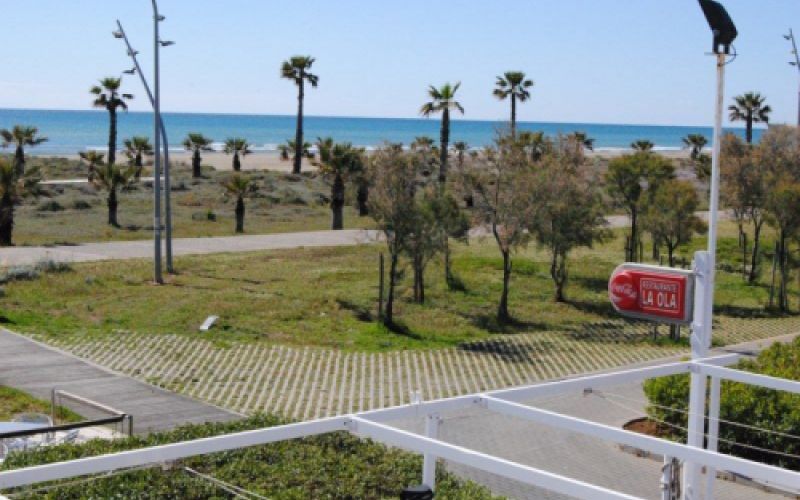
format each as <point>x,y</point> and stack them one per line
<point>13,402</point>
<point>335,465</point>
<point>77,213</point>
<point>328,297</point>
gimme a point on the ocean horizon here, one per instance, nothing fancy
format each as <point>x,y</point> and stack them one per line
<point>72,131</point>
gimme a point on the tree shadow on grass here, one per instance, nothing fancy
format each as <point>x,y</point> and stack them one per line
<point>603,309</point>
<point>361,313</point>
<point>489,322</point>
<point>5,320</point>
<point>594,284</point>
<point>751,312</point>
<point>400,328</point>
<point>510,351</point>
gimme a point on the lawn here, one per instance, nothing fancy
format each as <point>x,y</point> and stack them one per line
<point>328,297</point>
<point>13,402</point>
<point>68,214</point>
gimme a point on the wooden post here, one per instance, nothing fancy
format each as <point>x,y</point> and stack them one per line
<point>380,287</point>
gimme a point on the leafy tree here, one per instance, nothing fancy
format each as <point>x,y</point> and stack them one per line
<point>197,143</point>
<point>20,137</point>
<point>109,98</point>
<point>629,179</point>
<point>135,149</point>
<point>642,145</point>
<point>92,159</point>
<point>443,100</point>
<point>339,161</point>
<point>425,239</point>
<point>695,144</point>
<point>752,406</point>
<point>670,216</point>
<point>393,179</point>
<point>783,204</point>
<point>503,202</point>
<point>13,188</point>
<point>749,108</point>
<point>297,69</point>
<point>513,85</point>
<point>288,149</point>
<point>239,186</point>
<point>568,213</point>
<point>111,177</point>
<point>237,147</point>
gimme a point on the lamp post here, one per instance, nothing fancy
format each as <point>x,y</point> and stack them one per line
<point>796,64</point>
<point>160,137</point>
<point>724,33</point>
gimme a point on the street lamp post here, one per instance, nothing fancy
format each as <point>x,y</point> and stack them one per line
<point>796,64</point>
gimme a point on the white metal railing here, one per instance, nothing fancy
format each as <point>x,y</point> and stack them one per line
<point>374,424</point>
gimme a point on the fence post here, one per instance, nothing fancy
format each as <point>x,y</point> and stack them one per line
<point>429,460</point>
<point>130,425</point>
<point>380,287</point>
<point>713,433</point>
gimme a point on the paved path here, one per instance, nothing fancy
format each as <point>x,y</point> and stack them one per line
<point>36,369</point>
<point>89,252</point>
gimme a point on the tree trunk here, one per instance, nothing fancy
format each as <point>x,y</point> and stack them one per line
<point>196,164</point>
<point>631,257</point>
<point>444,140</point>
<point>239,214</point>
<point>448,265</point>
<point>749,130</point>
<point>298,136</point>
<point>513,115</point>
<point>362,196</point>
<point>112,136</point>
<point>502,309</point>
<point>237,165</point>
<point>671,254</point>
<point>783,300</point>
<point>112,207</point>
<point>337,202</point>
<point>388,317</point>
<point>419,280</point>
<point>6,220</point>
<point>137,162</point>
<point>754,258</point>
<point>19,161</point>
<point>558,271</point>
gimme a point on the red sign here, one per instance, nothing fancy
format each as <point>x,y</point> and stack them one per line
<point>650,292</point>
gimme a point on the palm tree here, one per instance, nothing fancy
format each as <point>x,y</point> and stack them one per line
<point>443,100</point>
<point>14,187</point>
<point>196,143</point>
<point>110,177</point>
<point>642,145</point>
<point>513,84</point>
<point>236,147</point>
<point>750,108</point>
<point>340,161</point>
<point>110,99</point>
<point>135,148</point>
<point>93,159</point>
<point>584,140</point>
<point>297,69</point>
<point>240,187</point>
<point>20,137</point>
<point>695,143</point>
<point>460,148</point>
<point>288,150</point>
<point>535,143</point>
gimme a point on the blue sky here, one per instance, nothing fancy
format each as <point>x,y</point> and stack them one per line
<point>608,61</point>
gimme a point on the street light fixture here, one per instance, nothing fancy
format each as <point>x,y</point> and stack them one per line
<point>724,33</point>
<point>795,63</point>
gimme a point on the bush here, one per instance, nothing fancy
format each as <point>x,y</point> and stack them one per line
<point>50,206</point>
<point>330,466</point>
<point>18,273</point>
<point>81,205</point>
<point>52,266</point>
<point>745,404</point>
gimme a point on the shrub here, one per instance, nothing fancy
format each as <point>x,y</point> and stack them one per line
<point>50,206</point>
<point>18,273</point>
<point>745,404</point>
<point>81,205</point>
<point>52,266</point>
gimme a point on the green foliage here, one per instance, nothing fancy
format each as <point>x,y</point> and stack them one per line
<point>754,406</point>
<point>330,466</point>
<point>13,402</point>
<point>670,216</point>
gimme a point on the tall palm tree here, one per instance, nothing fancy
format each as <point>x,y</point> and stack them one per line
<point>93,159</point>
<point>14,187</point>
<point>339,161</point>
<point>240,187</point>
<point>750,108</point>
<point>109,98</point>
<point>237,147</point>
<point>695,143</point>
<point>135,149</point>
<point>111,177</point>
<point>642,145</point>
<point>297,69</point>
<point>513,84</point>
<point>443,100</point>
<point>196,143</point>
<point>21,136</point>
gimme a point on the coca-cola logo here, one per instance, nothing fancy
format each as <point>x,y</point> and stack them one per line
<point>622,292</point>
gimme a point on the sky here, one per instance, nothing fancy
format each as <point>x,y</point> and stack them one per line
<point>593,61</point>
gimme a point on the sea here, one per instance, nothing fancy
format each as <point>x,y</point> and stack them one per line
<point>70,132</point>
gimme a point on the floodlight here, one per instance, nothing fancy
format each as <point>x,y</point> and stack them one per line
<point>787,37</point>
<point>160,18</point>
<point>131,71</point>
<point>117,34</point>
<point>721,25</point>
<point>167,43</point>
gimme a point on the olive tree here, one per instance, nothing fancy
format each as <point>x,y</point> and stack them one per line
<point>670,216</point>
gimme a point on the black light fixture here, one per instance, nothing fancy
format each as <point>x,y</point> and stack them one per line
<point>721,25</point>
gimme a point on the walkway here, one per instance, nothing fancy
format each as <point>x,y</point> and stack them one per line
<point>37,368</point>
<point>90,252</point>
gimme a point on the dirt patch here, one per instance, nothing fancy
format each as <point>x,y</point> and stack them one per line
<point>644,426</point>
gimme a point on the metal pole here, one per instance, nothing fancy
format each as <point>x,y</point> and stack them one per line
<point>157,147</point>
<point>796,64</point>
